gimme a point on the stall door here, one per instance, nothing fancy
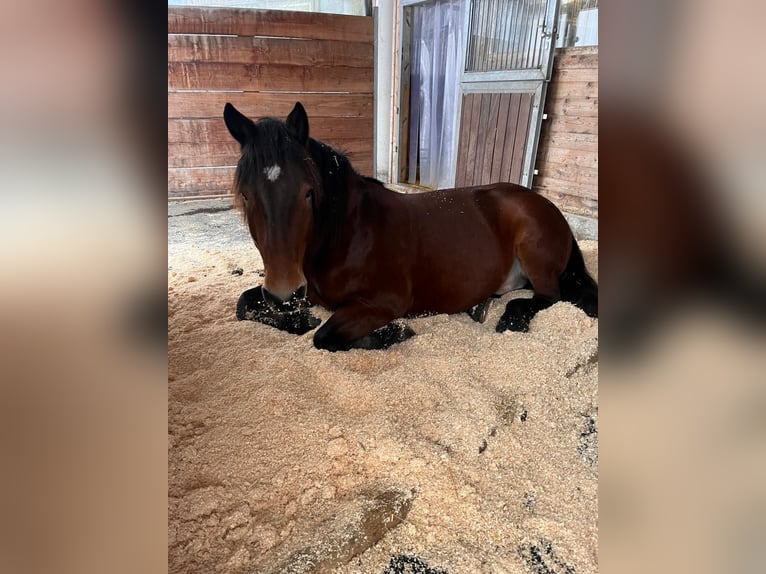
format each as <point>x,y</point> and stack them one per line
<point>507,66</point>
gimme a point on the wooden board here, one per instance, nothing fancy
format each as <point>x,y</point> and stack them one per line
<point>267,77</point>
<point>577,75</point>
<point>490,138</point>
<point>571,178</point>
<point>481,138</point>
<point>214,130</point>
<point>183,182</point>
<point>571,125</point>
<point>510,138</point>
<point>469,157</point>
<point>523,113</point>
<point>287,51</point>
<point>563,156</point>
<point>571,203</point>
<point>572,140</point>
<point>573,106</point>
<point>501,137</point>
<point>204,154</point>
<point>245,22</point>
<point>256,105</point>
<point>557,89</point>
<point>569,58</point>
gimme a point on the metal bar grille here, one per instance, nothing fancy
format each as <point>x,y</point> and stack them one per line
<point>505,35</point>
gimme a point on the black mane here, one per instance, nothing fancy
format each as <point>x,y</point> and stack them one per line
<point>335,171</point>
<point>335,166</point>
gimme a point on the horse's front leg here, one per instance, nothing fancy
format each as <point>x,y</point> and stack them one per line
<point>295,319</point>
<point>361,326</point>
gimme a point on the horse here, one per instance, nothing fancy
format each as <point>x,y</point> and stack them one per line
<point>332,237</point>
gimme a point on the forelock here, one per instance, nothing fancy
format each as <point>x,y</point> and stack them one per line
<point>270,151</point>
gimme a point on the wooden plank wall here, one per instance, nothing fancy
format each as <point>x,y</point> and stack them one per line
<point>567,155</point>
<point>493,137</point>
<point>263,61</point>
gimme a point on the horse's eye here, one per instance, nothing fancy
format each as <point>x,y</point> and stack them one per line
<point>309,194</point>
<point>244,196</point>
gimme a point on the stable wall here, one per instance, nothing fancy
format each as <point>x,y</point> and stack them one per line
<point>567,155</point>
<point>263,61</point>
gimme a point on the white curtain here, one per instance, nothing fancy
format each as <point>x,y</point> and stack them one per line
<point>437,44</point>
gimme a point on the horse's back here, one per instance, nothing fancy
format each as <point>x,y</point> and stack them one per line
<point>507,209</point>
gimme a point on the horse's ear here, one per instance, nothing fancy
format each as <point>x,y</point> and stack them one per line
<point>240,126</point>
<point>298,124</point>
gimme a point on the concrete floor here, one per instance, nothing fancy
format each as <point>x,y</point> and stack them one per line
<point>583,227</point>
<point>204,224</point>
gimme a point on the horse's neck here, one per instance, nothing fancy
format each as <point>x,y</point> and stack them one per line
<point>336,173</point>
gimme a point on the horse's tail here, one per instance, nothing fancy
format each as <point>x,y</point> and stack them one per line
<point>577,286</point>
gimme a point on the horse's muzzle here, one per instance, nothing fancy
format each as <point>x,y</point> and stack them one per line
<point>296,299</point>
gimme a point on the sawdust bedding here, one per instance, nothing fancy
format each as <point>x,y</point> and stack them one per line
<point>491,438</point>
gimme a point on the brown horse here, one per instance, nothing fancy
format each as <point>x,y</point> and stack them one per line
<point>372,255</point>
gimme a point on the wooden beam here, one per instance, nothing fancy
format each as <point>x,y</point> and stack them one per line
<point>329,130</point>
<point>200,180</point>
<point>286,51</point>
<point>214,154</point>
<point>247,22</point>
<point>268,77</point>
<point>256,105</point>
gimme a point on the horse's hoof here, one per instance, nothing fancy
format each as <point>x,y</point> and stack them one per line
<point>516,317</point>
<point>479,312</point>
<point>294,322</point>
<point>517,324</point>
<point>251,301</point>
<point>589,304</point>
<point>391,334</point>
<point>252,307</point>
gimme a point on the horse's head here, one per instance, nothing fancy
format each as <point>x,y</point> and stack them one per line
<point>276,185</point>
